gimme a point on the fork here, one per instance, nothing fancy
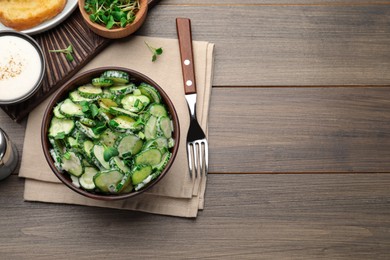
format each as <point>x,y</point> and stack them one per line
<point>197,146</point>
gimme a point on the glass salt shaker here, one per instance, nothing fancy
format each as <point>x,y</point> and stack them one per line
<point>8,156</point>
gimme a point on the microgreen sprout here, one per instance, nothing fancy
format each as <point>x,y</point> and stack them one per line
<point>112,13</point>
<point>154,51</point>
<point>68,52</point>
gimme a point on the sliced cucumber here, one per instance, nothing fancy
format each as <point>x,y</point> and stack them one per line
<point>102,82</point>
<point>71,163</point>
<point>86,163</point>
<point>151,157</point>
<point>171,142</point>
<point>150,92</point>
<point>70,109</point>
<point>129,145</point>
<point>123,123</point>
<point>125,185</point>
<point>151,128</point>
<point>86,180</point>
<point>106,103</point>
<point>56,111</point>
<point>72,142</point>
<point>86,130</point>
<point>75,181</point>
<point>137,92</point>
<point>135,103</point>
<point>104,116</point>
<point>120,111</point>
<point>107,181</point>
<point>147,180</point>
<point>57,158</point>
<point>122,89</point>
<point>75,97</point>
<point>90,91</point>
<point>117,163</point>
<point>107,94</point>
<point>109,137</point>
<point>57,151</point>
<point>98,157</point>
<point>59,145</point>
<point>164,126</point>
<point>58,126</point>
<point>116,76</point>
<point>87,121</point>
<point>78,135</point>
<point>140,173</point>
<point>160,143</point>
<point>164,161</point>
<point>157,110</point>
<point>87,148</point>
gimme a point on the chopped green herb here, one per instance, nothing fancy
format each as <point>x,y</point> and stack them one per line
<point>109,152</point>
<point>112,13</point>
<point>94,110</point>
<point>67,155</point>
<point>99,128</point>
<point>89,109</point>
<point>140,121</point>
<point>60,135</point>
<point>136,103</point>
<point>113,123</point>
<point>68,52</point>
<point>155,51</point>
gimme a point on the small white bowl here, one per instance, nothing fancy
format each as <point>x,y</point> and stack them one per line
<point>22,67</point>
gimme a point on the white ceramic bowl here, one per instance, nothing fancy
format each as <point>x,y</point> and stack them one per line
<point>22,67</point>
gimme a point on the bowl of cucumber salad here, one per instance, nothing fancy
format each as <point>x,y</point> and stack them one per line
<point>110,133</point>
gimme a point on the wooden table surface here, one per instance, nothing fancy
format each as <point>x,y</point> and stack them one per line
<point>299,134</point>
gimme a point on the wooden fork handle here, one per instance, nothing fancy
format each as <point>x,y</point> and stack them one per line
<point>183,26</point>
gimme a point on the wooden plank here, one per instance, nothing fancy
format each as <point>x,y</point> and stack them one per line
<point>275,2</point>
<point>245,217</point>
<point>299,130</point>
<point>293,45</point>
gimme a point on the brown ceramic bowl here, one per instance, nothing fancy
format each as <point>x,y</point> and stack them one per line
<point>84,78</point>
<point>116,33</point>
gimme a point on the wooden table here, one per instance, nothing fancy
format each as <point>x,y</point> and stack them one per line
<point>299,136</point>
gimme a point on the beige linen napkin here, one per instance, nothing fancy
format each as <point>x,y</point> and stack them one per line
<point>176,194</point>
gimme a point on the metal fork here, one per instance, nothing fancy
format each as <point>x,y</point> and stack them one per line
<point>197,146</point>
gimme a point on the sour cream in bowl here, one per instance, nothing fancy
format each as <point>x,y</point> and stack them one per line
<point>22,67</point>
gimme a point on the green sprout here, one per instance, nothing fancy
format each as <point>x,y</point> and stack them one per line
<point>154,51</point>
<point>112,13</point>
<point>68,52</point>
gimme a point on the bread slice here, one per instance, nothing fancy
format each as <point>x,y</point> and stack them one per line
<point>25,14</point>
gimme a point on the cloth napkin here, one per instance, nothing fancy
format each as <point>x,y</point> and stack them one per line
<point>176,194</point>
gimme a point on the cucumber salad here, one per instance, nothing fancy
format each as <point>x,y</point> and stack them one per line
<point>110,135</point>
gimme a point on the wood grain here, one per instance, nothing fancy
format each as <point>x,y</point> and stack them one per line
<point>299,130</point>
<point>184,36</point>
<point>274,2</point>
<point>300,86</point>
<point>246,217</point>
<point>288,45</point>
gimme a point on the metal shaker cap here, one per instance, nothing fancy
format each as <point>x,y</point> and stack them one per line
<point>3,145</point>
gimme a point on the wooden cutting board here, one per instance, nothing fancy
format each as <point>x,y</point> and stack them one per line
<point>86,45</point>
